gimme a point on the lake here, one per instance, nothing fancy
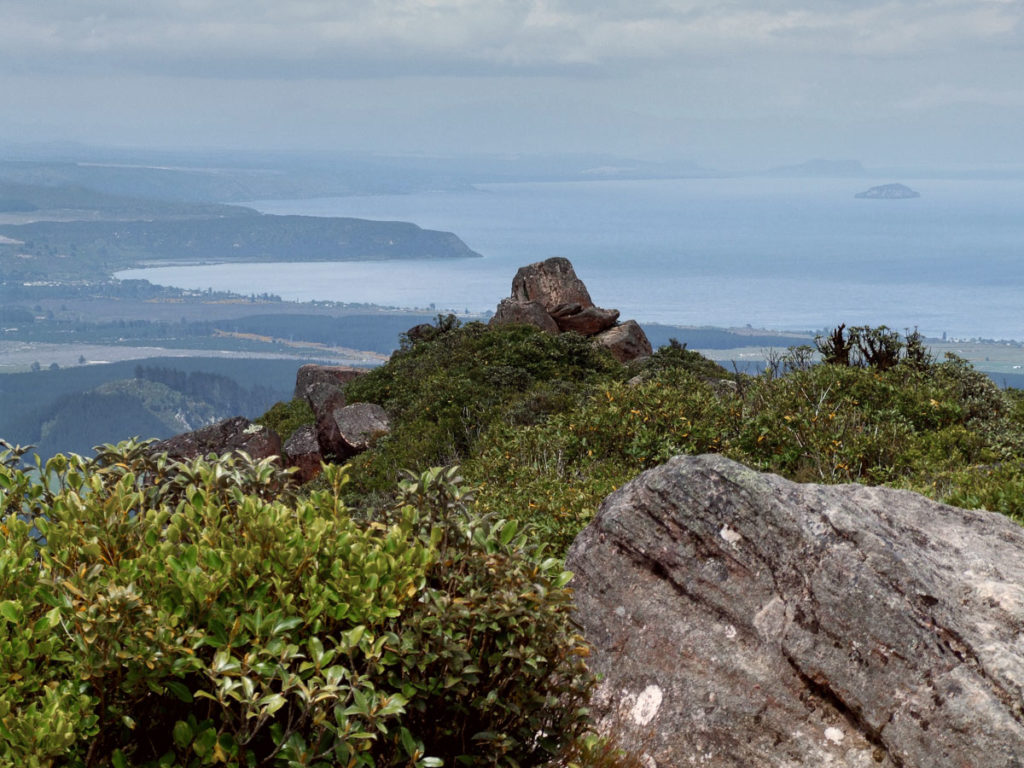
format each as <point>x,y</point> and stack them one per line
<point>787,254</point>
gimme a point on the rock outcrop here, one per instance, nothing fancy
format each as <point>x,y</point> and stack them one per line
<point>302,451</point>
<point>743,620</point>
<point>228,436</point>
<point>626,342</point>
<point>549,295</point>
<point>551,284</point>
<point>343,432</point>
<point>322,386</point>
<point>525,312</point>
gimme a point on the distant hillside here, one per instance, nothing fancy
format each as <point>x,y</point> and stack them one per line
<point>720,338</point>
<point>819,167</point>
<point>87,249</point>
<point>80,202</point>
<point>197,178</point>
<point>73,409</point>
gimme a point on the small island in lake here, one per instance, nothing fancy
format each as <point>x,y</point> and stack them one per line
<point>888,192</point>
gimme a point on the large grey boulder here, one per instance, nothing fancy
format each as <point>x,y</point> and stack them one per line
<point>743,620</point>
<point>343,432</point>
<point>550,283</point>
<point>526,312</point>
<point>322,386</point>
<point>302,450</point>
<point>586,321</point>
<point>228,436</point>
<point>626,341</point>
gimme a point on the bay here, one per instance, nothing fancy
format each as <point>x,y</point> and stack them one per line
<point>787,254</point>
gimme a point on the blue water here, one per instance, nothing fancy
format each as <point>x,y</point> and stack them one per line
<point>798,254</point>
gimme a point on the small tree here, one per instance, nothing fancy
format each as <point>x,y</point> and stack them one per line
<point>877,347</point>
<point>835,348</point>
<point>915,352</point>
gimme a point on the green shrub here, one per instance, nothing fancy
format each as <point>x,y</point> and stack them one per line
<point>285,418</point>
<point>997,488</point>
<point>555,474</point>
<point>443,393</point>
<point>676,356</point>
<point>169,613</point>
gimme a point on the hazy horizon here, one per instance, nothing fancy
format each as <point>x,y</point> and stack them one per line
<point>899,83</point>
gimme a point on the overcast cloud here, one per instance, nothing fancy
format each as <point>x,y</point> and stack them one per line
<point>740,81</point>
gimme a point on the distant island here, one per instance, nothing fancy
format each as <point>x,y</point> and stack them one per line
<point>888,192</point>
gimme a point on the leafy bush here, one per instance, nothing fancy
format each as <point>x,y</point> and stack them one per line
<point>168,613</point>
<point>443,392</point>
<point>555,474</point>
<point>285,418</point>
<point>832,423</point>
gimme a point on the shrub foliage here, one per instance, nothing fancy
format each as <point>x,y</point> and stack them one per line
<point>156,613</point>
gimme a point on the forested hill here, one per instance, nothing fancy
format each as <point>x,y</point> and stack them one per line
<point>76,249</point>
<point>73,409</point>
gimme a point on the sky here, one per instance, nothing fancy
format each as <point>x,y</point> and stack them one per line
<point>732,83</point>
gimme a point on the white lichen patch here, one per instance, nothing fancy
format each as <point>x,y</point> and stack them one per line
<point>834,735</point>
<point>647,705</point>
<point>730,536</point>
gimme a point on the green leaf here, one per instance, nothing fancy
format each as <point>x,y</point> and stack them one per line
<point>204,742</point>
<point>508,531</point>
<point>562,579</point>
<point>182,734</point>
<point>213,560</point>
<point>12,610</point>
<point>118,760</point>
<point>353,636</point>
<point>180,691</point>
<point>285,625</point>
<point>272,702</point>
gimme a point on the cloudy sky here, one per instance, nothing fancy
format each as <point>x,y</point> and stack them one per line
<point>732,82</point>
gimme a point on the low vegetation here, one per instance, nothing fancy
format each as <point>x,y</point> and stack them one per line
<point>162,613</point>
<point>166,613</point>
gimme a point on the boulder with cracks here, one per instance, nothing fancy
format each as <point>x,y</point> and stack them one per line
<point>743,620</point>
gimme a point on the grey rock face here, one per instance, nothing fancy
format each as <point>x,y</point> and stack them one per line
<point>527,312</point>
<point>550,283</point>
<point>346,431</point>
<point>236,434</point>
<point>743,620</point>
<point>587,321</point>
<point>626,342</point>
<point>322,386</point>
<point>303,451</point>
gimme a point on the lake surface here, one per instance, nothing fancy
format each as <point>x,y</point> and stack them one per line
<point>789,254</point>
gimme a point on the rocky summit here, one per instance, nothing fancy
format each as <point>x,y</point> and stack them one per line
<point>739,620</point>
<point>549,295</point>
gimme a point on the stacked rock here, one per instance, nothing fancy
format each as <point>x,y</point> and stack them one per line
<point>549,295</point>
